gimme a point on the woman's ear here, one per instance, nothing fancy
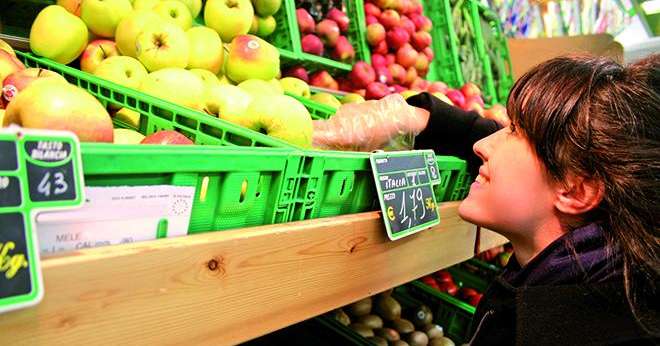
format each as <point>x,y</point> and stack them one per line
<point>579,195</point>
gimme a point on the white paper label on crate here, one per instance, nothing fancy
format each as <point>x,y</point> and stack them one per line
<point>117,215</point>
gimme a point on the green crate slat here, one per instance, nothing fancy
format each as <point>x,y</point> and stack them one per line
<point>157,114</point>
<point>445,66</point>
<point>452,314</point>
<point>451,171</point>
<point>496,48</point>
<point>481,268</point>
<point>464,278</point>
<point>287,39</point>
<point>217,173</point>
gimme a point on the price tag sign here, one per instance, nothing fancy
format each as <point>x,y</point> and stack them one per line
<point>404,181</point>
<point>39,170</point>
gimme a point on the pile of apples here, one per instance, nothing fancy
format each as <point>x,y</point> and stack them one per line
<point>444,282</point>
<point>328,36</point>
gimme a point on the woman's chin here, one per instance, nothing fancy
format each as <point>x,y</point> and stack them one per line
<point>471,212</point>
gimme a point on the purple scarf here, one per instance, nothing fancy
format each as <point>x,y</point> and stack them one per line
<point>580,256</point>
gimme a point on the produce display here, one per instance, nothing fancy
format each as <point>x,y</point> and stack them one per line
<point>324,33</point>
<point>445,282</point>
<point>385,320</point>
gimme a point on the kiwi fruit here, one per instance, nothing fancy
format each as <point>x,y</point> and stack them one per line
<point>433,331</point>
<point>420,316</point>
<point>441,341</point>
<point>388,334</point>
<point>377,341</point>
<point>388,308</point>
<point>361,307</point>
<point>418,338</point>
<point>371,321</point>
<point>386,293</point>
<point>361,329</point>
<point>340,316</point>
<point>403,326</point>
<point>399,343</point>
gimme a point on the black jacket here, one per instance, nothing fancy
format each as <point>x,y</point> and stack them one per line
<point>452,131</point>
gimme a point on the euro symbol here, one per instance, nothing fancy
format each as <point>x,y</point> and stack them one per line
<point>390,213</point>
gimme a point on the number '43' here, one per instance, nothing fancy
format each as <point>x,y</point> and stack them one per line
<point>57,186</point>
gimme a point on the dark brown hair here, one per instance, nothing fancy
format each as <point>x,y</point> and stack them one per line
<point>597,119</point>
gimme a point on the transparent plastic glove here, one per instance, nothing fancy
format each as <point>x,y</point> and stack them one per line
<point>389,123</point>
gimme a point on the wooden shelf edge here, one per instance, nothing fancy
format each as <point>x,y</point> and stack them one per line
<point>228,287</point>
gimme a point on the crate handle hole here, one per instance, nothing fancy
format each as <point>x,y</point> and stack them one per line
<point>259,183</point>
<point>204,189</point>
<point>244,187</point>
<point>343,187</point>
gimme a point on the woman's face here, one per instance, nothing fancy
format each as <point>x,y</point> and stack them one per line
<point>512,194</point>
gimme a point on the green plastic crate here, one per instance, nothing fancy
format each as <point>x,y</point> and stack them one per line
<point>481,268</point>
<point>287,38</point>
<point>235,187</point>
<point>496,47</point>
<point>451,170</point>
<point>452,314</point>
<point>157,114</point>
<point>445,66</point>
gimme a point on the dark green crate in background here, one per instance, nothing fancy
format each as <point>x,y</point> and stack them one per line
<point>445,66</point>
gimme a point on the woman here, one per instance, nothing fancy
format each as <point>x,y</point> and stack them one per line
<point>573,183</point>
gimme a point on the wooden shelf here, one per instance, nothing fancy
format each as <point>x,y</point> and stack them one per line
<point>228,287</point>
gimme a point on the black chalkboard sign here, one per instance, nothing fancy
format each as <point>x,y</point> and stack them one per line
<point>39,170</point>
<point>404,181</point>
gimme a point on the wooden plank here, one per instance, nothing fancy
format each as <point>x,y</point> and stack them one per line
<point>227,287</point>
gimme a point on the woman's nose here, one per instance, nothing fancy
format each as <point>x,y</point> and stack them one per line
<point>484,146</point>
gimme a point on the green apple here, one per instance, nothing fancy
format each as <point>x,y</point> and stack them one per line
<point>130,27</point>
<point>266,26</point>
<point>206,50</point>
<point>229,18</point>
<point>122,70</point>
<point>127,136</point>
<point>163,46</point>
<point>145,4</point>
<point>176,85</point>
<point>58,35</point>
<point>295,86</point>
<point>227,102</point>
<point>279,116</point>
<point>352,98</point>
<point>326,99</point>
<point>265,8</point>
<point>207,77</point>
<point>258,87</point>
<point>53,104</point>
<point>175,11</point>
<point>252,58</point>
<point>103,16</point>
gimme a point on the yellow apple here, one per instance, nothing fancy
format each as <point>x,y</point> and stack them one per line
<point>103,16</point>
<point>229,18</point>
<point>127,136</point>
<point>295,86</point>
<point>279,116</point>
<point>58,35</point>
<point>206,50</point>
<point>73,6</point>
<point>122,70</point>
<point>128,117</point>
<point>175,11</point>
<point>162,47</point>
<point>9,64</point>
<point>258,87</point>
<point>176,85</point>
<point>207,77</point>
<point>227,102</point>
<point>250,57</point>
<point>326,99</point>
<point>145,4</point>
<point>130,27</point>
<point>6,47</point>
<point>95,53</point>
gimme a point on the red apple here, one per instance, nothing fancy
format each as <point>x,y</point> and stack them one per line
<point>345,84</point>
<point>448,287</point>
<point>340,18</point>
<point>470,89</point>
<point>305,21</point>
<point>362,92</point>
<point>406,56</point>
<point>312,44</point>
<point>428,51</point>
<point>390,59</point>
<point>385,4</point>
<point>474,98</point>
<point>475,299</point>
<point>396,88</point>
<point>375,34</point>
<point>166,137</point>
<point>298,72</point>
<point>498,113</point>
<point>390,19</point>
<point>408,25</point>
<point>383,75</point>
<point>397,37</point>
<point>422,64</point>
<point>421,40</point>
<point>404,6</point>
<point>95,53</point>
<point>467,292</point>
<point>411,76</point>
<point>417,7</point>
<point>362,74</point>
<point>323,79</point>
<point>378,60</point>
<point>419,84</point>
<point>398,73</point>
<point>436,87</point>
<point>456,97</point>
<point>372,10</point>
<point>443,276</point>
<point>371,20</point>
<point>381,48</point>
<point>328,31</point>
<point>429,280</point>
<point>422,23</point>
<point>19,80</point>
<point>344,50</point>
<point>376,91</point>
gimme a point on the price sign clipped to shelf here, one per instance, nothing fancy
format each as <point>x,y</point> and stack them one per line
<point>39,171</point>
<point>404,181</point>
